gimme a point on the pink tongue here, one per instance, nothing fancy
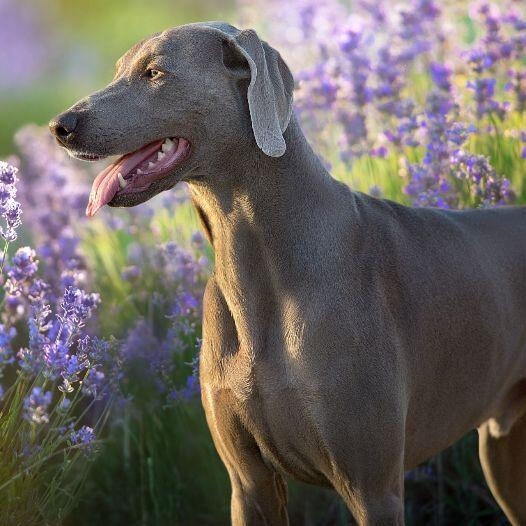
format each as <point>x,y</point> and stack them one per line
<point>106,184</point>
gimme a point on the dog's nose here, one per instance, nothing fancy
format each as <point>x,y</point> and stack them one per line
<point>63,126</point>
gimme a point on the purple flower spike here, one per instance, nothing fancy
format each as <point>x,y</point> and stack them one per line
<point>84,438</point>
<point>10,210</point>
<point>441,76</point>
<point>24,265</point>
<point>77,306</point>
<point>36,406</point>
<point>6,352</point>
<point>131,273</point>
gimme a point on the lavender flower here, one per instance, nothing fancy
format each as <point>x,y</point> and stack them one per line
<point>517,84</point>
<point>36,406</point>
<point>53,192</point>
<point>131,273</point>
<point>94,349</point>
<point>414,26</point>
<point>441,76</point>
<point>10,210</point>
<point>8,175</point>
<point>23,265</point>
<point>375,191</point>
<point>95,383</point>
<point>77,306</point>
<point>478,60</point>
<point>317,88</point>
<point>6,352</point>
<point>197,239</point>
<point>84,438</point>
<point>191,388</point>
<point>428,181</point>
<point>186,393</point>
<point>488,189</point>
<point>64,405</point>
<point>484,91</point>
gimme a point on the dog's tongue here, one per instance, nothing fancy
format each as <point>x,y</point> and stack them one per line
<point>106,184</point>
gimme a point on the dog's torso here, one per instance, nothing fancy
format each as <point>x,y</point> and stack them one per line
<point>413,317</point>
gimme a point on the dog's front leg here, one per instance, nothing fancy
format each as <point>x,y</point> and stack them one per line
<point>259,494</point>
<point>372,499</point>
<point>366,455</point>
<point>261,502</point>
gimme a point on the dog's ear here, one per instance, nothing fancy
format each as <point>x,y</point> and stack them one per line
<point>270,89</point>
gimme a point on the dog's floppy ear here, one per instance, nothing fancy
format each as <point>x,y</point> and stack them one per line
<point>270,89</point>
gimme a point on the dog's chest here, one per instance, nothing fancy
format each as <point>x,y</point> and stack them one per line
<point>275,413</point>
<point>253,382</point>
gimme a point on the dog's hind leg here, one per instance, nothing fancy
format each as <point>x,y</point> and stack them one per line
<point>503,459</point>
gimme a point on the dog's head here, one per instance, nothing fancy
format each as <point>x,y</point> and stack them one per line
<point>181,102</point>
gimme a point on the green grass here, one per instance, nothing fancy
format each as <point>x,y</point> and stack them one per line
<point>159,467</point>
<point>42,473</point>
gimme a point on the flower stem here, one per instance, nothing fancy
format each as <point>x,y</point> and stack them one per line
<point>4,255</point>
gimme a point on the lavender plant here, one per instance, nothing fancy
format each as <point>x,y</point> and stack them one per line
<point>47,366</point>
<point>161,324</point>
<point>151,286</point>
<point>376,81</point>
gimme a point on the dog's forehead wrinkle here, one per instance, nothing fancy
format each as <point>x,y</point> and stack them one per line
<point>134,53</point>
<point>197,32</point>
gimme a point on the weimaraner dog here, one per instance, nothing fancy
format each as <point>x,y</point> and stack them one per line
<point>346,338</point>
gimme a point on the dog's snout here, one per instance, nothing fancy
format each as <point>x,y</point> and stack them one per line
<point>64,125</point>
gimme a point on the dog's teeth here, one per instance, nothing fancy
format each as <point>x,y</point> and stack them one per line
<point>151,165</point>
<point>139,172</point>
<point>160,156</point>
<point>122,181</point>
<point>168,146</point>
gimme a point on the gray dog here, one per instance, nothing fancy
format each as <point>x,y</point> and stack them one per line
<point>346,338</point>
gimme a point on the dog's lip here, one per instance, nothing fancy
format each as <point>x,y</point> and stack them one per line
<point>86,156</point>
<point>136,171</point>
<point>83,156</point>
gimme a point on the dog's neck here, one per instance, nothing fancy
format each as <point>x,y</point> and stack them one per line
<point>271,205</point>
<point>267,219</point>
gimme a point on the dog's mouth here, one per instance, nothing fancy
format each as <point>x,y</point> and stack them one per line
<point>136,171</point>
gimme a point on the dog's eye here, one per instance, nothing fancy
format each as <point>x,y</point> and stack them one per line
<point>153,73</point>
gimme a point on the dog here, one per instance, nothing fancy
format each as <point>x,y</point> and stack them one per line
<point>346,338</point>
